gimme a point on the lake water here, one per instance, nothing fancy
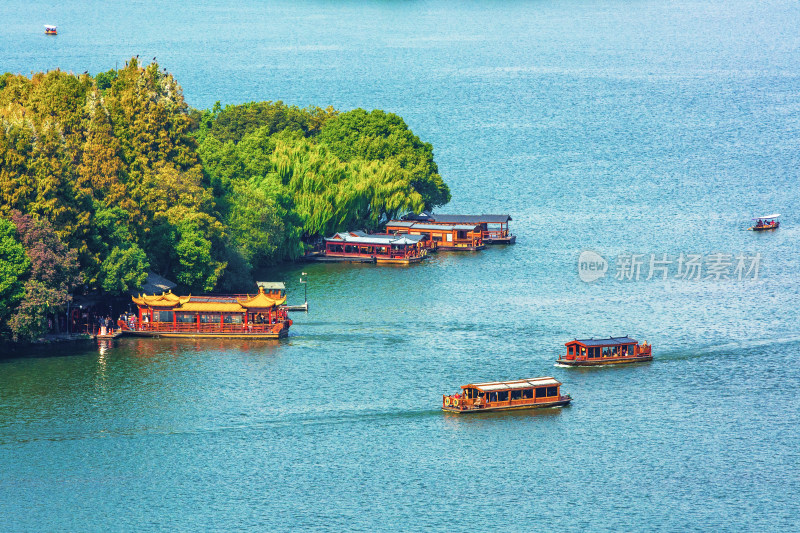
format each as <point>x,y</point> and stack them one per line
<point>636,127</point>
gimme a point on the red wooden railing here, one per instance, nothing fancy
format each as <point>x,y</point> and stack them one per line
<point>184,327</point>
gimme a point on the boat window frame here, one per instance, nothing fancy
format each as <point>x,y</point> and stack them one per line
<point>527,394</point>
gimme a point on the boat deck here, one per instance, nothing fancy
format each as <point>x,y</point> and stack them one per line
<point>512,406</point>
<point>605,361</point>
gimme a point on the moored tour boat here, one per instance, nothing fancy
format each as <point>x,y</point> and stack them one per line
<point>360,247</point>
<point>766,222</point>
<point>260,316</point>
<point>453,237</point>
<point>494,228</point>
<point>610,351</point>
<point>534,393</point>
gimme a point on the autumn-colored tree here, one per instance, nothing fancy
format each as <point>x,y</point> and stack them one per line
<point>54,273</point>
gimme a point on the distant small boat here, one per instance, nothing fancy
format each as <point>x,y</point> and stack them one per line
<point>50,29</point>
<point>766,222</point>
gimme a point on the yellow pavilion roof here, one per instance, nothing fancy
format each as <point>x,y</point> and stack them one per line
<point>261,301</point>
<point>209,304</point>
<point>211,307</point>
<point>161,300</point>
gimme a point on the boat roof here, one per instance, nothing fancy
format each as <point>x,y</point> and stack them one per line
<point>48,26</point>
<point>611,341</point>
<point>460,219</point>
<point>776,215</point>
<point>517,384</point>
<point>212,303</point>
<point>435,227</point>
<point>154,284</point>
<point>378,238</point>
<point>271,285</point>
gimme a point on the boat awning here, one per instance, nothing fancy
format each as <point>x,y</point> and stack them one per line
<point>431,227</point>
<point>472,219</point>
<point>376,239</point>
<point>271,285</point>
<point>460,219</point>
<point>776,215</point>
<point>611,341</point>
<point>511,385</point>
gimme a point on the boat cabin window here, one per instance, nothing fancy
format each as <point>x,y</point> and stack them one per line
<point>546,392</point>
<point>492,396</point>
<point>462,235</point>
<point>502,396</point>
<point>232,319</point>
<point>162,316</point>
<point>209,319</point>
<point>527,394</point>
<point>572,350</point>
<point>349,249</point>
<point>595,352</point>
<point>516,394</point>
<point>336,248</point>
<point>186,318</point>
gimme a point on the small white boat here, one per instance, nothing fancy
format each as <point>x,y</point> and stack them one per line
<point>766,222</point>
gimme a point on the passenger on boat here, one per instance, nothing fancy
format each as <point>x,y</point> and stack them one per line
<point>759,223</point>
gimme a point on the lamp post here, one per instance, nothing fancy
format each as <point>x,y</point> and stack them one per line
<point>305,286</point>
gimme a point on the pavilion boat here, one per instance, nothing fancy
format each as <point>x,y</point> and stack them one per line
<point>360,247</point>
<point>50,29</point>
<point>259,316</point>
<point>534,393</point>
<point>766,222</point>
<point>494,228</point>
<point>610,351</point>
<point>454,237</point>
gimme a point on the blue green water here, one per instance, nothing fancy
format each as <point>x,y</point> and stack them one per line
<point>636,127</point>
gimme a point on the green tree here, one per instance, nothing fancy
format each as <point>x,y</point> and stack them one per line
<point>14,266</point>
<point>381,136</point>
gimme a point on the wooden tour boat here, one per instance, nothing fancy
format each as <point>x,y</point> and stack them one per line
<point>494,228</point>
<point>531,393</point>
<point>260,316</point>
<point>461,237</point>
<point>766,222</point>
<point>360,247</point>
<point>611,351</point>
<point>50,29</point>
